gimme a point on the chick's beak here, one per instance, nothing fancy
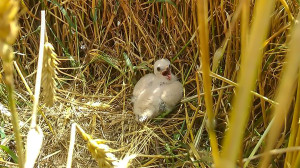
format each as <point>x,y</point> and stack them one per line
<point>167,73</point>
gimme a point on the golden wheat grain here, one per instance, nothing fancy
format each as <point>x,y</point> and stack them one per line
<point>49,74</point>
<point>8,22</point>
<point>102,153</point>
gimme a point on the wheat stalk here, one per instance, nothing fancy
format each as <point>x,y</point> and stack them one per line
<point>35,134</point>
<point>8,32</point>
<point>202,7</point>
<point>285,92</point>
<point>240,112</point>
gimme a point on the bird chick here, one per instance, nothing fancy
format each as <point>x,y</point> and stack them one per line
<point>156,93</point>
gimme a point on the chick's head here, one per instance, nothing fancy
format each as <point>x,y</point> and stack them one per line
<point>162,68</point>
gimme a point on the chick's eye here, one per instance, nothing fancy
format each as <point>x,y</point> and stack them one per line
<point>158,68</point>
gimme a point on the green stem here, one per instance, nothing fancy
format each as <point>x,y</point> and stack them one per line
<point>15,122</point>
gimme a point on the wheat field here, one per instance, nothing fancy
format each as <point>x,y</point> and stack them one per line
<point>74,68</point>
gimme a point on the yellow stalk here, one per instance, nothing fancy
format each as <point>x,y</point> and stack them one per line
<point>7,57</point>
<point>247,77</point>
<point>8,32</point>
<point>202,15</point>
<point>285,92</point>
<point>294,129</point>
<point>236,85</point>
<point>245,25</point>
<point>296,156</point>
<point>286,7</point>
<point>297,161</point>
<point>23,79</point>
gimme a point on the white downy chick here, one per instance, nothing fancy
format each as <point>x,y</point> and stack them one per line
<point>156,93</point>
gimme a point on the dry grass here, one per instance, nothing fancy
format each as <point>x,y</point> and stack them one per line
<point>105,46</point>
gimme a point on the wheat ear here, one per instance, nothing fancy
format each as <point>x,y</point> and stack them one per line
<point>49,74</point>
